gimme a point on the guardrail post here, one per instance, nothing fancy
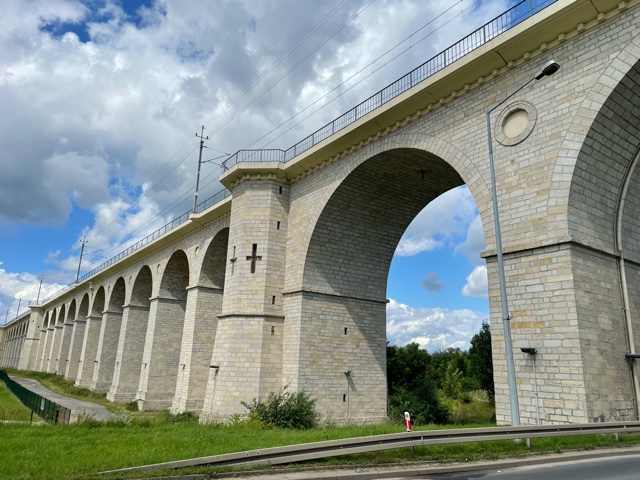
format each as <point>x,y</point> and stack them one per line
<point>616,436</point>
<point>528,440</point>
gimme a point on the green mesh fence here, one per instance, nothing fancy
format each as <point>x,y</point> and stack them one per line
<point>49,411</point>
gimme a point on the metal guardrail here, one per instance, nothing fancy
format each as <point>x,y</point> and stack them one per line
<point>334,448</point>
<point>490,30</point>
<point>46,409</point>
<point>507,20</point>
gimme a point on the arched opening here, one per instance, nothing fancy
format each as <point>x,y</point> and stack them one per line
<point>43,340</point>
<point>161,358</point>
<point>93,326</point>
<point>109,335</point>
<point>133,331</point>
<point>604,216</point>
<point>77,339</point>
<point>54,354</point>
<point>67,331</point>
<point>339,314</point>
<point>204,305</point>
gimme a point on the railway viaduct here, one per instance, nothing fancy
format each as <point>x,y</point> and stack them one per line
<point>283,281</point>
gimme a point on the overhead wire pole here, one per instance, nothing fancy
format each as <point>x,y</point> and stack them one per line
<point>84,242</point>
<point>202,147</point>
<point>39,289</point>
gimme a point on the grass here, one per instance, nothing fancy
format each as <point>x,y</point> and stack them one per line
<point>80,450</point>
<point>11,409</point>
<point>75,451</point>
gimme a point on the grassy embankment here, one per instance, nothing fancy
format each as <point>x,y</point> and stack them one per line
<point>46,451</point>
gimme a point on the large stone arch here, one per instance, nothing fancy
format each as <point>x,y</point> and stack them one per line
<point>109,336</point>
<point>204,304</point>
<point>131,339</point>
<point>335,321</point>
<point>161,358</point>
<point>606,140</point>
<point>310,195</point>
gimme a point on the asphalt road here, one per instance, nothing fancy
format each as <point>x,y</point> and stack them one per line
<point>613,468</point>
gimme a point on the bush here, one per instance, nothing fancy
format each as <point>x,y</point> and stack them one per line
<point>423,404</point>
<point>295,410</point>
<point>184,417</point>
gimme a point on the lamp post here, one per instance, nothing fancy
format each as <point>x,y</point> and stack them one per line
<point>548,69</point>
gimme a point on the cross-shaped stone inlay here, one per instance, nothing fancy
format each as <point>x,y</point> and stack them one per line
<point>254,257</point>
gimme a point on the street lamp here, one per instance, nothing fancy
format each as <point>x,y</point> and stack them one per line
<point>548,69</point>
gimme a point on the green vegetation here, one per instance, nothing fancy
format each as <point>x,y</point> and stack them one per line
<point>295,410</point>
<point>450,386</point>
<point>11,409</point>
<point>74,451</point>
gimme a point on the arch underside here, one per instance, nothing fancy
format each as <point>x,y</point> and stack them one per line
<point>338,319</point>
<point>359,229</point>
<point>595,196</point>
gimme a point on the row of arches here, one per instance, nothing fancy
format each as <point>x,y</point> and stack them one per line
<point>125,337</point>
<point>15,337</point>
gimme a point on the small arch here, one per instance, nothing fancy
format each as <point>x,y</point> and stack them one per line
<point>98,302</point>
<point>212,273</point>
<point>142,287</point>
<point>71,313</point>
<point>83,311</point>
<point>175,277</point>
<point>117,299</point>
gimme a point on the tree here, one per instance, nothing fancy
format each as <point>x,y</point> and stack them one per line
<point>481,360</point>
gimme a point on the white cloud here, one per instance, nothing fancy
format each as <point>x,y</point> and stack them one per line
<point>88,125</point>
<point>473,244</point>
<point>432,328</point>
<point>445,220</point>
<point>477,285</point>
<point>18,290</point>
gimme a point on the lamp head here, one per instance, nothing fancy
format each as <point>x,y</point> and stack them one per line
<point>548,69</point>
<point>529,350</point>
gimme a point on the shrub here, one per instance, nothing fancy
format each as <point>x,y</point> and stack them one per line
<point>131,406</point>
<point>295,410</point>
<point>423,404</point>
<point>184,417</point>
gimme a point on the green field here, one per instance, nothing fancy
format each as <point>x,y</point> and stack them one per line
<point>46,451</point>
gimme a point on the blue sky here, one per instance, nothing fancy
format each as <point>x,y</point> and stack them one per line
<point>99,102</point>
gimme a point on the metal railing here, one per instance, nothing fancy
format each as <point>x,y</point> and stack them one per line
<point>43,407</point>
<point>176,222</point>
<point>375,443</point>
<point>507,20</point>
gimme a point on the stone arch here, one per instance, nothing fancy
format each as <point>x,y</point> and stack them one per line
<point>600,160</point>
<point>132,335</point>
<point>77,339</point>
<point>41,364</point>
<point>214,261</point>
<point>339,311</point>
<point>201,322</point>
<point>54,353</point>
<point>93,326</point>
<point>324,184</point>
<point>67,330</point>
<point>97,306</point>
<point>161,358</point>
<point>109,338</point>
<point>175,277</point>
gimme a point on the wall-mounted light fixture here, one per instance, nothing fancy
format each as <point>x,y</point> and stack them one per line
<point>214,366</point>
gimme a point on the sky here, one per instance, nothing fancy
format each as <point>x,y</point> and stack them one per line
<point>100,101</point>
